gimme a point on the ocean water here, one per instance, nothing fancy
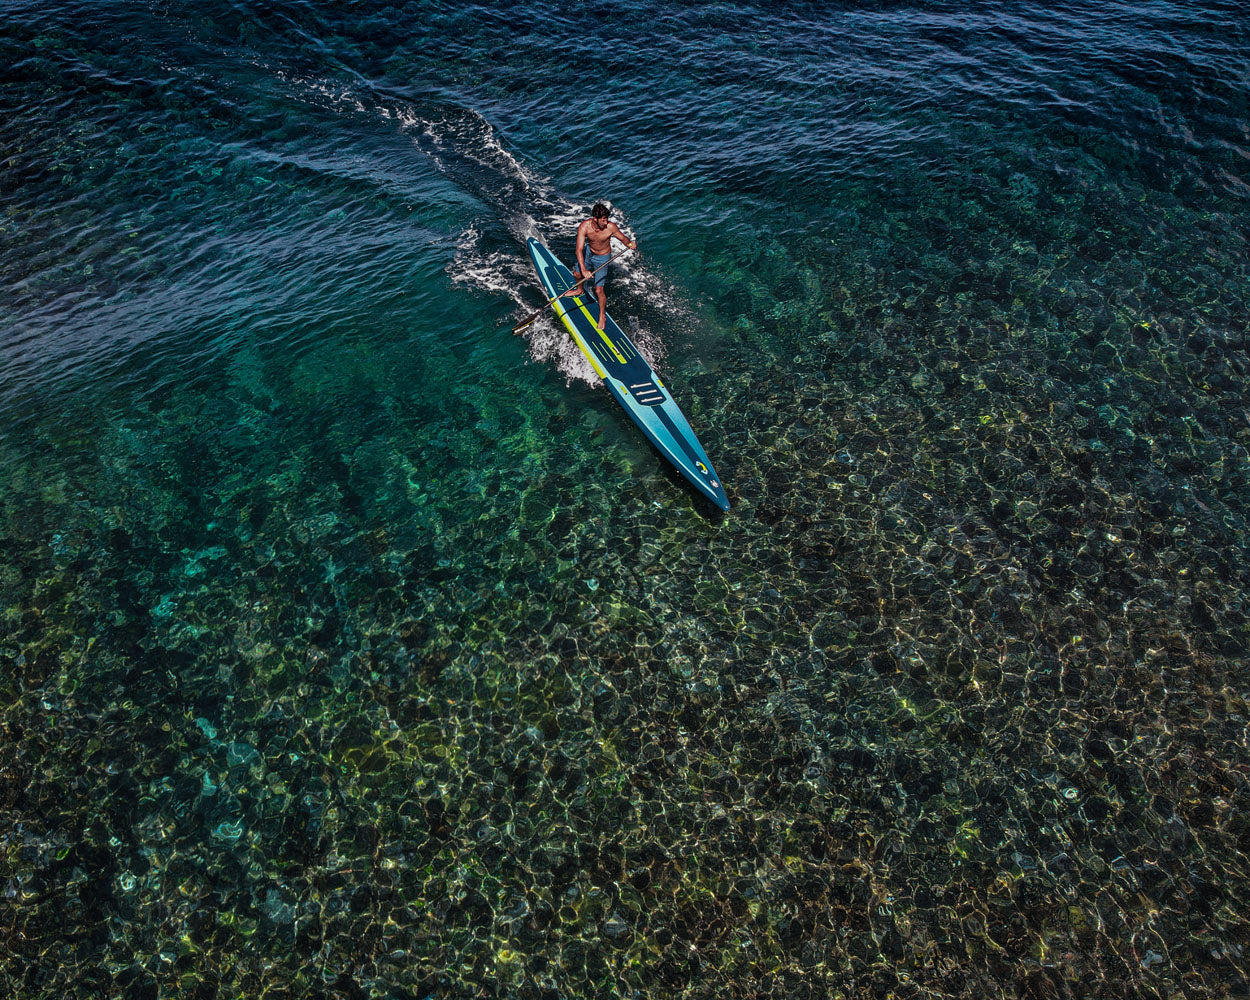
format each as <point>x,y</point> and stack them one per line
<point>353,647</point>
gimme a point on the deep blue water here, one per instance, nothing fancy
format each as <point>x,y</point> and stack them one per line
<point>353,647</point>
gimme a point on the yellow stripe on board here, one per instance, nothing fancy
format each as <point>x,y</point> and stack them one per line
<point>577,339</point>
<point>603,334</point>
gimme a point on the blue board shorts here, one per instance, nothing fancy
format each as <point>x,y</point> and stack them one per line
<point>592,260</point>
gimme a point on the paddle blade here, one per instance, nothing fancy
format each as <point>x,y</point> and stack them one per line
<point>526,322</point>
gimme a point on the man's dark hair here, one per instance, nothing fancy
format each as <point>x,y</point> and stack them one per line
<point>600,211</point>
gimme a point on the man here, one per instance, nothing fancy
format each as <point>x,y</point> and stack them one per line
<point>594,247</point>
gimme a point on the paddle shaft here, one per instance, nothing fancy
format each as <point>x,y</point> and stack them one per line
<point>581,281</point>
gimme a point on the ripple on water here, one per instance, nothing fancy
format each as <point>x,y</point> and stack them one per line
<point>343,656</point>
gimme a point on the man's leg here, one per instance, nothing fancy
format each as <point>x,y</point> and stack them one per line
<point>603,305</point>
<point>576,289</point>
<point>582,269</point>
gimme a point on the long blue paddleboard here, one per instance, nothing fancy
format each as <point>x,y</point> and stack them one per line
<point>628,377</point>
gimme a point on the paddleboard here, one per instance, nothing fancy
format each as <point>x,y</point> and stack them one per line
<point>628,377</point>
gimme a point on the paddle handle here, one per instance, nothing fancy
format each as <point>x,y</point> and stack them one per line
<point>581,281</point>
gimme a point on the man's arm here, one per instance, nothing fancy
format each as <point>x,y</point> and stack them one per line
<point>581,248</point>
<point>616,231</point>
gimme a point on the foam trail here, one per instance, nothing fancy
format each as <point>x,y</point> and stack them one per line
<point>467,149</point>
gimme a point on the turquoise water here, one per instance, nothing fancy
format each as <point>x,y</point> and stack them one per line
<point>353,647</point>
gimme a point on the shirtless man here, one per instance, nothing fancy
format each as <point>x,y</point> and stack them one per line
<point>594,247</point>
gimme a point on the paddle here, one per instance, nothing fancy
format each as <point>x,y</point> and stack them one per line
<point>530,319</point>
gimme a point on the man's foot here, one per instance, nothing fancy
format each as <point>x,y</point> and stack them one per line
<point>602,320</point>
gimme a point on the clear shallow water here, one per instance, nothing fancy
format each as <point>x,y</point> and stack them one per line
<point>354,647</point>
